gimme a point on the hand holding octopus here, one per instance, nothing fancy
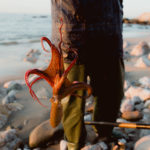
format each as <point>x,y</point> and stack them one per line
<point>56,76</point>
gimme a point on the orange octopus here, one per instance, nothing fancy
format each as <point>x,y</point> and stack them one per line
<point>56,76</point>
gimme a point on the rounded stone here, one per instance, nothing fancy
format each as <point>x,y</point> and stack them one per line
<point>132,115</point>
<point>63,145</point>
<point>127,105</point>
<point>143,143</point>
<point>44,133</point>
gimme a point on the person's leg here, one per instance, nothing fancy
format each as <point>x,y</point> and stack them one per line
<point>109,92</point>
<point>73,112</point>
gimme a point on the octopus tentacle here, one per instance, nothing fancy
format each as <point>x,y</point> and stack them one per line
<point>48,42</point>
<point>75,87</point>
<point>53,67</point>
<point>59,45</point>
<point>72,63</point>
<point>42,76</point>
<point>56,64</point>
<point>60,49</point>
<point>55,113</point>
<point>40,73</point>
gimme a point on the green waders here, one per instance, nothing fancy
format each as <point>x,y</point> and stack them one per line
<point>73,112</point>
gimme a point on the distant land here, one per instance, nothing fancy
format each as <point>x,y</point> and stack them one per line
<point>143,19</point>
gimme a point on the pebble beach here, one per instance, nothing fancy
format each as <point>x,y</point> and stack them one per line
<point>23,121</point>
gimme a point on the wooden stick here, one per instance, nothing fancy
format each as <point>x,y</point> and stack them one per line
<point>120,124</point>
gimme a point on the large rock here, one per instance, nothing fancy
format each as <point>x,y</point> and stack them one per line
<point>143,143</point>
<point>141,49</point>
<point>44,134</point>
<point>144,17</point>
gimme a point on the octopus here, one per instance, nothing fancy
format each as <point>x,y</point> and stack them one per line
<point>56,76</point>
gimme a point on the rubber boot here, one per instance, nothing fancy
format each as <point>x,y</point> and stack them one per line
<point>73,112</point>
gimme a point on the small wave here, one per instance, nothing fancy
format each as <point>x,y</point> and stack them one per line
<point>34,41</point>
<point>40,16</point>
<point>9,43</point>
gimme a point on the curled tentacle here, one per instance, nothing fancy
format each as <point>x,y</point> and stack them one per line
<point>48,42</point>
<point>75,87</point>
<point>40,73</point>
<point>56,57</point>
<point>56,64</point>
<point>42,76</point>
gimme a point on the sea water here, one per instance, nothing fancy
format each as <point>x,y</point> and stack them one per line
<point>20,33</point>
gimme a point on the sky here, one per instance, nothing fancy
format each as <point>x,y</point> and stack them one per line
<point>25,6</point>
<point>132,8</point>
